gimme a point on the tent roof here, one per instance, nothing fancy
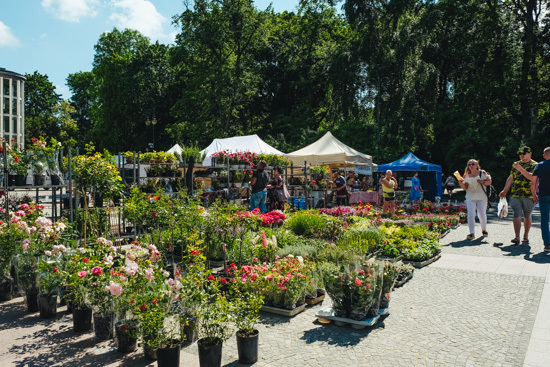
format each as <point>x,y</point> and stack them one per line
<point>409,162</point>
<point>329,150</point>
<point>176,149</point>
<point>251,143</point>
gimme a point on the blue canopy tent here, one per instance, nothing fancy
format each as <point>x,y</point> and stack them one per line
<point>428,173</point>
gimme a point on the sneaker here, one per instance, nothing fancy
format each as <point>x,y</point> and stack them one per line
<point>470,236</point>
<point>547,248</point>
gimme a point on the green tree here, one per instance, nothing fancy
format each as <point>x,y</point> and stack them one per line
<point>81,85</point>
<point>40,102</point>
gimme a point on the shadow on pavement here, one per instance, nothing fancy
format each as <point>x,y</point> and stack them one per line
<point>338,335</point>
<point>525,251</point>
<point>467,243</point>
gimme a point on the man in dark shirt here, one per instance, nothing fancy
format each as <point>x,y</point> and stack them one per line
<point>258,184</point>
<point>542,182</point>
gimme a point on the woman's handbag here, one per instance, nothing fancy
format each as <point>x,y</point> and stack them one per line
<point>283,194</point>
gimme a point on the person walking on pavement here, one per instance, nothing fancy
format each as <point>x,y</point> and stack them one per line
<point>540,179</point>
<point>474,182</point>
<point>521,201</point>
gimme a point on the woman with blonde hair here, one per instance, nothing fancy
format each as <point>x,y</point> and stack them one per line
<point>474,181</point>
<point>389,184</point>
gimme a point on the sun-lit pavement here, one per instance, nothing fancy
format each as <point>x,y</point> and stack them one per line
<point>479,305</point>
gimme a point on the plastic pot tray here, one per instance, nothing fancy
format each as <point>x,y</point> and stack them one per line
<point>328,313</point>
<point>284,311</point>
<point>421,264</point>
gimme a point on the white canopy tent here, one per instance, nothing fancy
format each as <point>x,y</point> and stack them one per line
<point>329,151</point>
<point>250,143</point>
<point>176,149</point>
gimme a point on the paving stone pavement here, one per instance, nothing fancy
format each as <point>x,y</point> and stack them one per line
<point>479,305</point>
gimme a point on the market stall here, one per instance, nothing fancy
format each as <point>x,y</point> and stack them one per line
<point>428,173</point>
<point>247,143</point>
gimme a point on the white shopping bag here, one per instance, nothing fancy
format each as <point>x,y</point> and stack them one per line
<point>502,208</point>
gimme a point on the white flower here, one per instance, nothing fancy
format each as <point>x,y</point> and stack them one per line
<point>48,253</point>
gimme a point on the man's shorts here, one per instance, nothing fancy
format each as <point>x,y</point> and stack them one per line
<point>522,206</point>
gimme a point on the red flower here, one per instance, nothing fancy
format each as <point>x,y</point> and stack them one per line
<point>211,277</point>
<point>85,259</point>
<point>154,214</point>
<point>358,282</point>
<point>223,280</point>
<point>132,301</point>
<point>143,307</point>
<point>55,270</point>
<point>154,301</point>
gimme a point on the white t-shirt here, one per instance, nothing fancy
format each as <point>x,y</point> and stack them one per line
<point>475,190</point>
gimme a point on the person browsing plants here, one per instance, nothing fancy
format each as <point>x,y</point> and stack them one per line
<point>258,184</point>
<point>521,201</point>
<point>474,181</point>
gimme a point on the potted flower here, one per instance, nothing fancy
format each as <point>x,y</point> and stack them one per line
<point>50,279</point>
<point>79,281</point>
<point>247,299</point>
<point>38,158</point>
<point>214,323</point>
<point>352,290</point>
<point>37,243</point>
<point>141,266</point>
<point>391,272</point>
<point>104,288</point>
<point>238,177</point>
<point>11,237</point>
<point>18,165</point>
<point>161,322</point>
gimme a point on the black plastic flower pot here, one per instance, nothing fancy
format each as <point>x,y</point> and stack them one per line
<point>47,303</point>
<point>247,346</point>
<point>39,180</point>
<point>190,330</point>
<point>6,289</point>
<point>168,357</point>
<point>210,355</point>
<point>126,343</point>
<point>20,180</point>
<point>32,300</point>
<point>82,320</point>
<point>149,352</point>
<point>104,326</point>
<point>55,179</point>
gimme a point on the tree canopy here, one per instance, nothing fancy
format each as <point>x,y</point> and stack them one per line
<point>448,80</point>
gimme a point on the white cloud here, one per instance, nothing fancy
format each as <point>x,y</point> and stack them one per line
<point>71,10</point>
<point>140,15</point>
<point>7,38</point>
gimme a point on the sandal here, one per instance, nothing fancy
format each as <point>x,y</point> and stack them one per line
<point>525,240</point>
<point>484,233</point>
<point>470,236</point>
<point>515,241</point>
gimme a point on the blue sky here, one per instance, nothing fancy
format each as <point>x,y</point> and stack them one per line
<point>57,37</point>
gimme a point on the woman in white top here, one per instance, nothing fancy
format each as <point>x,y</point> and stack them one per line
<point>474,182</point>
